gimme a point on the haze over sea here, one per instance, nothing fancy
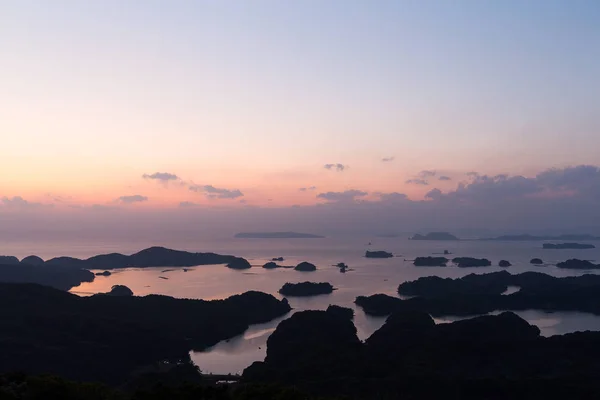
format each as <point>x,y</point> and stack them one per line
<point>365,277</point>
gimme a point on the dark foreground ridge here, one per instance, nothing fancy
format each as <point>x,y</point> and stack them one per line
<point>276,235</point>
<point>482,294</point>
<point>105,338</point>
<point>306,289</point>
<point>491,357</point>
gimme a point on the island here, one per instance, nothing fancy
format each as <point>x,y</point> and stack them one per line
<point>504,264</point>
<point>305,267</point>
<point>430,261</point>
<point>150,257</point>
<point>67,272</point>
<point>306,289</point>
<point>466,262</point>
<point>526,237</point>
<point>560,246</point>
<point>536,261</point>
<point>103,273</point>
<point>32,260</point>
<point>9,260</point>
<point>239,263</point>
<point>577,264</point>
<point>435,236</point>
<point>117,290</point>
<point>276,235</point>
<point>378,254</point>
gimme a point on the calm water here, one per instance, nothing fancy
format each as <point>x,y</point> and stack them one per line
<point>367,276</point>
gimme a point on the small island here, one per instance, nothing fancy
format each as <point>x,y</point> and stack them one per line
<point>306,289</point>
<point>435,236</point>
<point>378,254</point>
<point>239,263</point>
<point>560,246</point>
<point>305,267</point>
<point>104,273</point>
<point>467,262</point>
<point>577,264</point>
<point>536,261</point>
<point>276,235</point>
<point>430,262</point>
<point>504,264</point>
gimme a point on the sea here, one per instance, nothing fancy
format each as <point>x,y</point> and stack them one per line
<point>365,277</point>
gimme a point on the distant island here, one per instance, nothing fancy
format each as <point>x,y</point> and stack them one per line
<point>66,272</point>
<point>559,246</point>
<point>435,236</point>
<point>527,237</point>
<point>378,254</point>
<point>276,235</point>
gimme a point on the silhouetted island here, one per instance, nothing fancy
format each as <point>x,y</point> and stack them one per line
<point>276,235</point>
<point>32,260</point>
<point>378,254</point>
<point>277,259</point>
<point>239,263</point>
<point>9,260</point>
<point>273,265</point>
<point>504,263</point>
<point>305,267</point>
<point>106,338</point>
<point>481,294</point>
<point>103,273</point>
<point>536,261</point>
<point>306,289</point>
<point>466,262</point>
<point>430,261</point>
<point>118,290</point>
<point>435,236</point>
<point>59,277</point>
<point>577,264</point>
<point>559,246</point>
<point>525,237</point>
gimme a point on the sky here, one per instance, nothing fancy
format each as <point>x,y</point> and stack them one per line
<point>316,115</point>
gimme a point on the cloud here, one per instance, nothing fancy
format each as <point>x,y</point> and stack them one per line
<point>418,181</point>
<point>17,202</point>
<point>136,198</point>
<point>337,167</point>
<point>472,174</point>
<point>444,178</point>
<point>427,174</point>
<point>434,194</point>
<point>348,195</point>
<point>161,177</point>
<point>216,193</point>
<point>388,159</point>
<point>304,189</point>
